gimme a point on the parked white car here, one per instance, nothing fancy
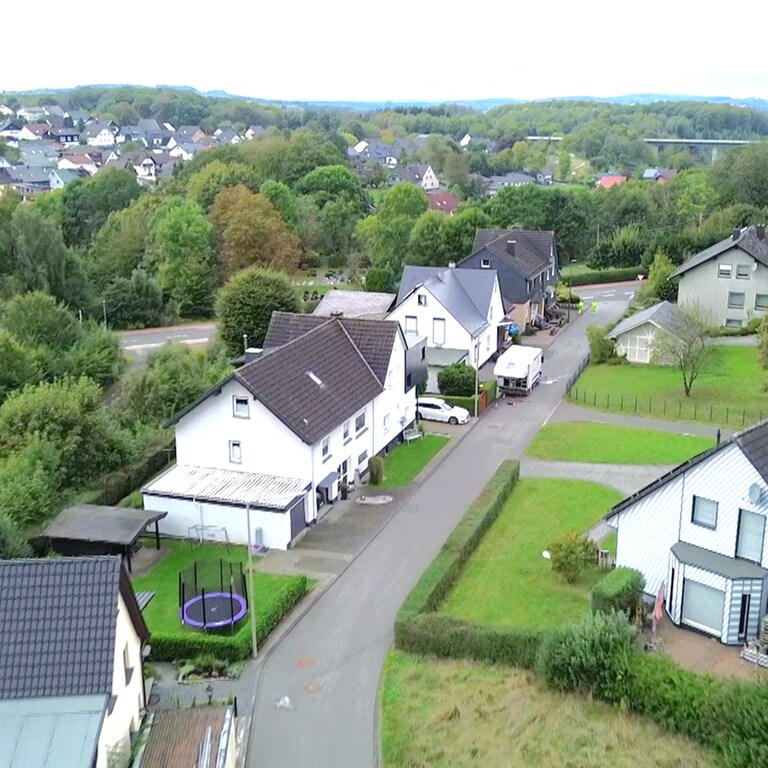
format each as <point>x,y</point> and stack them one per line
<point>435,409</point>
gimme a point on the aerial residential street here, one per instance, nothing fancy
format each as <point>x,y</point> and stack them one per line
<point>144,341</point>
<point>315,703</point>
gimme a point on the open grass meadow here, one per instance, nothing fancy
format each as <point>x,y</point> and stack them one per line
<point>408,459</point>
<point>612,444</point>
<point>162,614</point>
<point>506,581</point>
<point>459,714</point>
<point>730,393</point>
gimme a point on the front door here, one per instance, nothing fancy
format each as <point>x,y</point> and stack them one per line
<point>744,617</point>
<point>298,519</point>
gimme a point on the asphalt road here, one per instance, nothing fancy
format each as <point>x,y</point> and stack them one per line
<point>143,342</point>
<point>316,700</point>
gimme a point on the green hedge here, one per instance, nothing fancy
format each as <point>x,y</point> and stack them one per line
<point>605,276</point>
<point>491,388</point>
<point>619,590</point>
<point>172,646</point>
<point>462,402</point>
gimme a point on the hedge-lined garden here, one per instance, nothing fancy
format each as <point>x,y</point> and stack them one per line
<point>597,656</point>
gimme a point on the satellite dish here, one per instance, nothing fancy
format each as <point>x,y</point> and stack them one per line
<point>755,493</point>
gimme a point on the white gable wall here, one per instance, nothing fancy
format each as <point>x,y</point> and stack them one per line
<point>126,714</point>
<point>637,345</point>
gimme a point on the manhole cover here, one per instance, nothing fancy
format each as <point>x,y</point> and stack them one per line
<point>306,662</point>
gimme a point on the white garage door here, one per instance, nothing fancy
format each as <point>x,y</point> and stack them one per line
<point>703,607</point>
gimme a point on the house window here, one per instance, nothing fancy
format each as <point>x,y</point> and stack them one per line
<point>422,300</point>
<point>731,323</point>
<point>735,300</point>
<point>761,301</point>
<point>326,447</point>
<point>386,423</point>
<point>127,668</point>
<point>423,353</point>
<point>346,428</point>
<point>749,540</point>
<point>438,331</point>
<point>485,263</point>
<point>411,324</point>
<point>240,407</point>
<point>487,342</point>
<point>704,512</point>
<point>362,458</point>
<point>235,453</point>
<point>724,270</point>
<point>360,421</point>
<point>743,271</point>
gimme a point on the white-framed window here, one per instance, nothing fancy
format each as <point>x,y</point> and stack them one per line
<point>386,423</point>
<point>749,541</point>
<point>735,300</point>
<point>704,512</point>
<point>485,263</point>
<point>326,446</point>
<point>487,342</point>
<point>743,271</point>
<point>360,421</point>
<point>724,270</point>
<point>346,427</point>
<point>240,406</point>
<point>362,458</point>
<point>411,324</point>
<point>732,323</point>
<point>438,331</point>
<point>761,301</point>
<point>422,300</point>
<point>235,452</point>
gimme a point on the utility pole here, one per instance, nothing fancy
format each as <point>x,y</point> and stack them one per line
<point>251,595</point>
<point>477,373</point>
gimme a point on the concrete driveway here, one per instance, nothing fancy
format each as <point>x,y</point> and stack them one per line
<point>315,701</point>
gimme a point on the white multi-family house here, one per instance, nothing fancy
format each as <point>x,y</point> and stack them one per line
<point>98,134</point>
<point>697,534</point>
<point>72,668</point>
<point>421,175</point>
<point>458,311</point>
<point>276,440</point>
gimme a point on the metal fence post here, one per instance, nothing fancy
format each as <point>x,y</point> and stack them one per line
<point>621,407</point>
<point>727,410</point>
<point>635,403</point>
<point>695,412</point>
<point>650,405</point>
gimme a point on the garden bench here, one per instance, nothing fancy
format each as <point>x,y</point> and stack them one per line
<point>412,434</point>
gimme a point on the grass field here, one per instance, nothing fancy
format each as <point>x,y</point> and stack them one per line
<point>611,444</point>
<point>456,714</point>
<point>162,614</point>
<point>506,581</point>
<point>408,459</point>
<point>728,394</point>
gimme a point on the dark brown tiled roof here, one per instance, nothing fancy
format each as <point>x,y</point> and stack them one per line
<point>313,383</point>
<point>58,620</point>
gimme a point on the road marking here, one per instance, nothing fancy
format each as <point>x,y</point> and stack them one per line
<point>587,297</point>
<point>138,347</point>
<point>606,295</point>
<point>629,293</point>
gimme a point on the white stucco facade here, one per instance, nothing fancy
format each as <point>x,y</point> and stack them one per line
<point>637,345</point>
<point>127,691</point>
<point>104,138</point>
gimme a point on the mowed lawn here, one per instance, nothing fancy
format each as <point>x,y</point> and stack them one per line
<point>611,444</point>
<point>730,391</point>
<point>506,581</point>
<point>459,714</point>
<point>408,459</point>
<point>162,614</point>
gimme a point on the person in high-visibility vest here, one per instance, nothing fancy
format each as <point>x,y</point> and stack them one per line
<point>581,306</point>
<point>593,308</point>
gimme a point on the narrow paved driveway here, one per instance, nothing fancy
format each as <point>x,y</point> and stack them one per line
<point>315,703</point>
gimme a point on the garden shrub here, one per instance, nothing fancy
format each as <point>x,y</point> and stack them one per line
<point>608,276</point>
<point>185,644</point>
<point>619,590</point>
<point>592,656</point>
<point>601,348</point>
<point>376,469</point>
<point>457,379</point>
<point>570,554</point>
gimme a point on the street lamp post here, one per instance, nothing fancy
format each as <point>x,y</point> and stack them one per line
<point>477,373</point>
<point>570,287</point>
<point>251,596</point>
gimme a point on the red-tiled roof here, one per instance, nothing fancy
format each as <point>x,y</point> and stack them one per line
<point>610,181</point>
<point>445,202</point>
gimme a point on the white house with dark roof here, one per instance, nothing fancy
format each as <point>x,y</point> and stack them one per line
<point>457,311</point>
<point>278,437</point>
<point>729,280</point>
<point>97,133</point>
<point>697,534</point>
<point>421,175</point>
<point>71,670</point>
<point>634,336</point>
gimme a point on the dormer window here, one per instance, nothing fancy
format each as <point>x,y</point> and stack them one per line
<point>485,263</point>
<point>422,300</point>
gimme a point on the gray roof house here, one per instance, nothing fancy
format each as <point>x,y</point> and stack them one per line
<point>729,280</point>
<point>697,535</point>
<point>272,443</point>
<point>364,304</point>
<point>634,335</point>
<point>65,625</point>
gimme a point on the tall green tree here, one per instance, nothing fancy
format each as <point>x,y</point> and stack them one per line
<point>17,365</point>
<point>206,184</point>
<point>742,175</point>
<point>246,303</point>
<point>283,199</point>
<point>36,319</point>
<point>135,302</point>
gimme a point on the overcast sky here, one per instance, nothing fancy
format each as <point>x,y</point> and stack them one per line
<point>398,50</point>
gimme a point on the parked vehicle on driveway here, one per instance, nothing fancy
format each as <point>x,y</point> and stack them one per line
<point>435,409</point>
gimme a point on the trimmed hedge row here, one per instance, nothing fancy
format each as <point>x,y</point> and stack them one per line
<point>172,646</point>
<point>605,276</point>
<point>619,590</point>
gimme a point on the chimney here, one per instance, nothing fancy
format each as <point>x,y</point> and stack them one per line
<point>451,265</point>
<point>760,230</point>
<point>337,313</point>
<point>511,247</point>
<point>252,353</point>
<point>736,233</point>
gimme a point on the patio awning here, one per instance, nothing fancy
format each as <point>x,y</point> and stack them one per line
<point>108,525</point>
<point>730,567</point>
<point>326,484</point>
